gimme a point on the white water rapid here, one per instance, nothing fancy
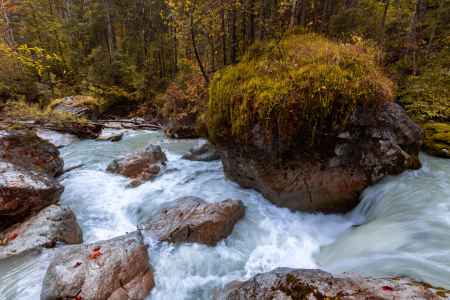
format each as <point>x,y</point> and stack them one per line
<point>405,225</point>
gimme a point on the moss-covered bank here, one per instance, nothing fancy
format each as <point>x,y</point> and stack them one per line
<point>437,139</point>
<point>304,78</point>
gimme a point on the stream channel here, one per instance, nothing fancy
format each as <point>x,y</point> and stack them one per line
<point>404,225</point>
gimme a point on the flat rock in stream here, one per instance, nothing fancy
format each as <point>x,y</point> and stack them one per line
<point>290,284</point>
<point>56,138</point>
<point>142,164</point>
<point>110,137</point>
<point>120,270</point>
<point>191,220</point>
<point>53,223</point>
<point>24,188</point>
<point>202,151</point>
<point>33,149</point>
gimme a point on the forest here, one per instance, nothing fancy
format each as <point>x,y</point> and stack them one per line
<point>146,54</point>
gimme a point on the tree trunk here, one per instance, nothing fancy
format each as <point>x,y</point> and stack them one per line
<point>296,13</point>
<point>224,45</point>
<point>111,34</point>
<point>433,32</point>
<point>262,19</point>
<point>383,20</point>
<point>251,23</point>
<point>304,12</point>
<point>233,35</point>
<point>195,47</point>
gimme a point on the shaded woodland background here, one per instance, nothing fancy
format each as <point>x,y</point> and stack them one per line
<point>152,54</point>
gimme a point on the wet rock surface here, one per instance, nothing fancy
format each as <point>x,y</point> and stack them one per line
<point>110,136</point>
<point>30,147</point>
<point>121,271</point>
<point>202,151</point>
<point>141,165</point>
<point>329,174</point>
<point>24,188</point>
<point>40,229</point>
<point>191,220</point>
<point>290,284</point>
<point>59,140</point>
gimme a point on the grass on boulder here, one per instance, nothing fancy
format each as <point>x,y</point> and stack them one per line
<point>306,78</point>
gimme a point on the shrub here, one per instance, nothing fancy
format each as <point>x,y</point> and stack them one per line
<point>306,79</point>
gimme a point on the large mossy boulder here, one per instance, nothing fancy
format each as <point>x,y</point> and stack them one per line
<point>41,229</point>
<point>27,145</point>
<point>78,106</point>
<point>313,128</point>
<point>290,284</point>
<point>114,269</point>
<point>437,139</point>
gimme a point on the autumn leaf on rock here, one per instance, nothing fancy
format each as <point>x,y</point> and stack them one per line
<point>387,288</point>
<point>96,248</point>
<point>6,143</point>
<point>78,298</point>
<point>21,176</point>
<point>16,184</point>
<point>95,255</point>
<point>13,236</point>
<point>77,265</point>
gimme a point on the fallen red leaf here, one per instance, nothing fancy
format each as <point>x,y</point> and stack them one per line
<point>77,265</point>
<point>16,184</point>
<point>96,248</point>
<point>164,211</point>
<point>163,163</point>
<point>387,288</point>
<point>78,298</point>
<point>13,236</point>
<point>21,176</point>
<point>181,215</point>
<point>95,255</point>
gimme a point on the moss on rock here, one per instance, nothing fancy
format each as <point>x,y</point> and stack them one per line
<point>306,78</point>
<point>437,139</point>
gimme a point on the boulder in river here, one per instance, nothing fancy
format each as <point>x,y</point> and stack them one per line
<point>56,138</point>
<point>33,149</point>
<point>202,151</point>
<point>110,136</point>
<point>140,164</point>
<point>24,188</point>
<point>114,269</point>
<point>41,229</point>
<point>191,220</point>
<point>290,284</point>
<point>328,174</point>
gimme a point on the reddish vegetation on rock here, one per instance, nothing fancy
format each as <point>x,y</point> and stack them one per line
<point>191,220</point>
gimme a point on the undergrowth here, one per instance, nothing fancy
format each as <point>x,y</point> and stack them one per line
<point>306,78</point>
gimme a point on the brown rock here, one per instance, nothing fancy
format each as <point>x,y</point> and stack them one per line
<point>133,163</point>
<point>329,174</point>
<point>24,189</point>
<point>33,149</point>
<point>290,284</point>
<point>190,220</point>
<point>52,223</point>
<point>202,151</point>
<point>148,174</point>
<point>79,106</point>
<point>122,271</point>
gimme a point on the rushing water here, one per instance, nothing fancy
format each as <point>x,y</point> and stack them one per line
<point>404,225</point>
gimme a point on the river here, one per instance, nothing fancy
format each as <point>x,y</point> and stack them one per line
<point>400,227</point>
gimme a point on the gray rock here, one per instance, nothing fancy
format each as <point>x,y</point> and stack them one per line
<point>52,223</point>
<point>24,188</point>
<point>329,174</point>
<point>122,271</point>
<point>290,284</point>
<point>171,142</point>
<point>191,220</point>
<point>203,151</point>
<point>27,145</point>
<point>90,112</point>
<point>58,139</point>
<point>110,136</point>
<point>142,164</point>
